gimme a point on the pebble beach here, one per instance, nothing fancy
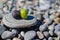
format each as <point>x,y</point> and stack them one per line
<point>41,23</point>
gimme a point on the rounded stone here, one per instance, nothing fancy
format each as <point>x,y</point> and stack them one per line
<point>51,33</point>
<point>51,27</point>
<point>16,39</point>
<point>22,33</point>
<point>3,1</point>
<point>57,27</point>
<point>29,35</point>
<point>9,21</point>
<point>50,38</point>
<point>44,39</point>
<point>8,34</point>
<point>8,39</point>
<point>2,29</point>
<point>46,34</point>
<point>48,21</point>
<point>58,33</point>
<point>56,20</point>
<point>43,27</point>
<point>40,35</point>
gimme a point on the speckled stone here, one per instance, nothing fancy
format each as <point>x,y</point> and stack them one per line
<point>29,35</point>
<point>40,35</point>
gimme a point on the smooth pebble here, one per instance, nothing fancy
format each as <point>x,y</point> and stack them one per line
<point>43,27</point>
<point>46,34</point>
<point>40,35</point>
<point>29,35</point>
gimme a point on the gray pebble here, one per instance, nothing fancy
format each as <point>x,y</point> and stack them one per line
<point>2,29</point>
<point>58,33</point>
<point>22,33</point>
<point>8,34</point>
<point>58,38</point>
<point>50,38</point>
<point>51,27</point>
<point>15,31</point>
<point>8,39</point>
<point>51,33</point>
<point>46,34</point>
<point>16,39</point>
<point>57,27</point>
<point>48,21</point>
<point>40,35</point>
<point>44,39</point>
<point>1,5</point>
<point>29,35</point>
<point>43,27</point>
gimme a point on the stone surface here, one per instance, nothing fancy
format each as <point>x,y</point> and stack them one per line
<point>48,21</point>
<point>40,35</point>
<point>22,33</point>
<point>57,27</point>
<point>8,39</point>
<point>16,39</point>
<point>2,29</point>
<point>46,34</point>
<point>51,33</point>
<point>9,34</point>
<point>50,38</point>
<point>43,27</point>
<point>44,39</point>
<point>51,27</point>
<point>31,21</point>
<point>29,35</point>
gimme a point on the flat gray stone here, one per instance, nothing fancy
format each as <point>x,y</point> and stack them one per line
<point>9,21</point>
<point>29,35</point>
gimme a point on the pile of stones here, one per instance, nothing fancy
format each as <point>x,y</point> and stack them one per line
<point>47,27</point>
